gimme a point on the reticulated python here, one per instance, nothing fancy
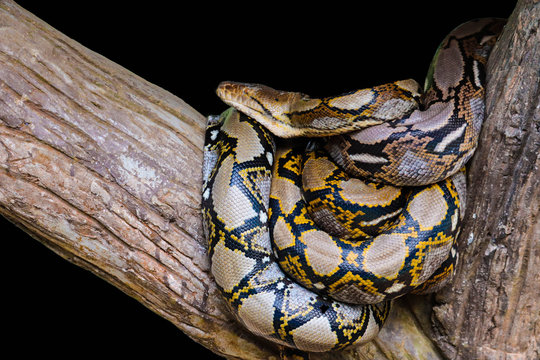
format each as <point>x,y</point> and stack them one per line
<point>283,276</point>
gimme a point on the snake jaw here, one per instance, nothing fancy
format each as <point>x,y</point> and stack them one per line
<point>411,86</point>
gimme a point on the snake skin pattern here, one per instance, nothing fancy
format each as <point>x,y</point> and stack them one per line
<point>345,206</point>
<point>320,287</point>
<point>376,269</point>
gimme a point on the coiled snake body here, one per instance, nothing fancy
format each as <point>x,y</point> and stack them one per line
<point>284,277</point>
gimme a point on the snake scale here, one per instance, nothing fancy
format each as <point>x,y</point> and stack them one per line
<point>311,238</point>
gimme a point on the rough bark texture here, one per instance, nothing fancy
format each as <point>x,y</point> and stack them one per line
<point>492,310</point>
<point>103,168</point>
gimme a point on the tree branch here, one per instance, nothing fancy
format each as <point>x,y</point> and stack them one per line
<point>104,169</point>
<point>98,164</point>
<point>492,311</point>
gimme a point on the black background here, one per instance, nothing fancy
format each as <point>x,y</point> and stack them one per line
<point>53,308</point>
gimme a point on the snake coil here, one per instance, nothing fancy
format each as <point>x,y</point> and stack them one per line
<point>308,255</point>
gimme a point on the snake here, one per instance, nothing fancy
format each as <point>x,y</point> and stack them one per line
<point>319,212</point>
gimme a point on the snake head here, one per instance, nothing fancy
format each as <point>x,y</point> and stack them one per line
<point>270,107</point>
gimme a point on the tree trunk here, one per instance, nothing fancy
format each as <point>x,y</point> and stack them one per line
<point>492,309</point>
<point>104,169</point>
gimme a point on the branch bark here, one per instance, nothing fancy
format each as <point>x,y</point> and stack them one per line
<point>104,169</point>
<point>496,313</point>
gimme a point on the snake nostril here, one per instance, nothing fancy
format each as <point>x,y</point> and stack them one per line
<point>324,308</point>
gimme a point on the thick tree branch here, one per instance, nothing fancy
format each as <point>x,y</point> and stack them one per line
<point>104,169</point>
<point>101,167</point>
<point>492,310</point>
